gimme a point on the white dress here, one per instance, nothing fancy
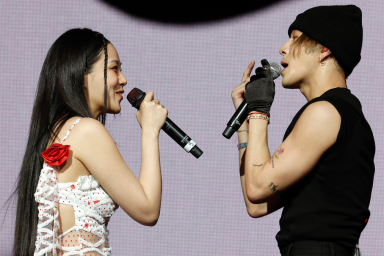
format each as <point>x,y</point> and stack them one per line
<point>92,209</point>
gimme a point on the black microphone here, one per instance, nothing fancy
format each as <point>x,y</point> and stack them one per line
<point>136,96</point>
<point>242,111</point>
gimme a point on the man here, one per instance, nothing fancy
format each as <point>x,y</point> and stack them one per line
<point>322,173</point>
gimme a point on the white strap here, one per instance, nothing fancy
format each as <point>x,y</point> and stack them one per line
<point>70,129</point>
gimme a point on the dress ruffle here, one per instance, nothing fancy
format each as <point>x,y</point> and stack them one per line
<point>87,183</point>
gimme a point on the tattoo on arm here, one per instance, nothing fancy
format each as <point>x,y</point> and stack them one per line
<point>273,188</point>
<point>258,165</point>
<point>271,161</point>
<point>276,155</point>
<point>279,152</point>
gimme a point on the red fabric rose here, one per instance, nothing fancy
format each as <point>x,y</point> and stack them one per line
<point>56,154</point>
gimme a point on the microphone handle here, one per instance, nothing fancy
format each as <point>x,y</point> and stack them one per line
<point>236,120</point>
<point>169,127</point>
<point>181,138</point>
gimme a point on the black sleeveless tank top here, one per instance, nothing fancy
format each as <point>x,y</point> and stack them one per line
<point>331,202</point>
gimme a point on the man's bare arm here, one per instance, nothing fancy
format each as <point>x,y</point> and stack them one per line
<point>314,133</point>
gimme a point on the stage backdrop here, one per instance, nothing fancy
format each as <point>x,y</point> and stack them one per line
<point>192,69</point>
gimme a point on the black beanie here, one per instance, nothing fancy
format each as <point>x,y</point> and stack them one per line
<point>337,27</point>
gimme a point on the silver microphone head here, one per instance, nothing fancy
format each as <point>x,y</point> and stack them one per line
<point>275,69</point>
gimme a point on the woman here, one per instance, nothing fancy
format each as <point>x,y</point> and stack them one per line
<point>322,173</point>
<point>73,177</point>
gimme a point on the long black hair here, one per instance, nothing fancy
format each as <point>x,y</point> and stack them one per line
<point>60,95</point>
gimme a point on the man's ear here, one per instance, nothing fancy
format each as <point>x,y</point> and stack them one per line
<point>325,53</point>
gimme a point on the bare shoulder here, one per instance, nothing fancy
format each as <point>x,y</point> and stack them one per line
<point>322,109</point>
<point>86,132</point>
<point>91,139</point>
<point>319,123</point>
<point>320,113</point>
<point>89,127</point>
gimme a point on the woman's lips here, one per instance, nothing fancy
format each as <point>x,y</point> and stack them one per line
<point>120,93</point>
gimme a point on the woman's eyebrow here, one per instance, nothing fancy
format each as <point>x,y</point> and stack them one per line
<point>116,61</point>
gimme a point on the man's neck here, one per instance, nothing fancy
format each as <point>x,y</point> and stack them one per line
<point>320,83</point>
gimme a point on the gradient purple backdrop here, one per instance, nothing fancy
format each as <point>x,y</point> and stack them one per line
<point>192,69</point>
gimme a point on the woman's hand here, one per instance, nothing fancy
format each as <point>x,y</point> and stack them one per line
<point>238,94</point>
<point>152,114</point>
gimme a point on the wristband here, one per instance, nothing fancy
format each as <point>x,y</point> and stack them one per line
<point>242,145</point>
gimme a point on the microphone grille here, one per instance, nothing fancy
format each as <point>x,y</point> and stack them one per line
<point>275,70</point>
<point>135,97</point>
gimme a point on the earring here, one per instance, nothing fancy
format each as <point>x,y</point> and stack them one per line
<point>321,62</point>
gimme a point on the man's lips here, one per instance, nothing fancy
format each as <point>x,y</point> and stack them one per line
<point>284,64</point>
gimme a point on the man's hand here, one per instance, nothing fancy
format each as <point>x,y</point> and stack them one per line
<point>238,94</point>
<point>260,91</point>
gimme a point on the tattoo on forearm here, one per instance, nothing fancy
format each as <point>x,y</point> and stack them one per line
<point>258,165</point>
<point>273,188</point>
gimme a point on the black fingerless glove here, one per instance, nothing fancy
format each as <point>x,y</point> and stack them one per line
<point>260,91</point>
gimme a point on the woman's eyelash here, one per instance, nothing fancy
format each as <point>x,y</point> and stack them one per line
<point>117,68</point>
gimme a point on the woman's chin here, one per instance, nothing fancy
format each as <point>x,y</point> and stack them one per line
<point>114,111</point>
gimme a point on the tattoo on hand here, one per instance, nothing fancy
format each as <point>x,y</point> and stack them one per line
<point>258,165</point>
<point>273,188</point>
